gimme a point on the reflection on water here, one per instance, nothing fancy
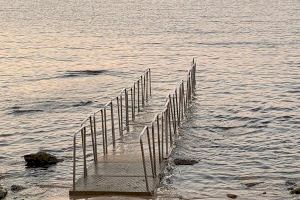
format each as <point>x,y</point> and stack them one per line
<point>244,123</point>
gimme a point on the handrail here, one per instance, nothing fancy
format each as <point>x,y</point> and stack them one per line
<point>171,116</point>
<point>142,86</point>
<point>122,108</point>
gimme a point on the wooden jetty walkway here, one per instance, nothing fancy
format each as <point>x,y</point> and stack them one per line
<point>127,143</point>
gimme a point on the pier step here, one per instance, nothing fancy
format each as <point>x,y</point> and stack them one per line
<point>116,175</point>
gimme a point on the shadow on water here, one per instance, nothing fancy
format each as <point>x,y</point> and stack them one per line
<point>76,73</point>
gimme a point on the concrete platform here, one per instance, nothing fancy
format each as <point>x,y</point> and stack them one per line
<point>116,175</point>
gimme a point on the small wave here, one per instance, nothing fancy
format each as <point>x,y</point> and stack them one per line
<point>25,111</point>
<point>284,118</point>
<point>76,73</point>
<point>256,109</point>
<point>228,127</point>
<point>82,103</point>
<point>52,186</point>
<point>5,135</point>
<point>274,108</point>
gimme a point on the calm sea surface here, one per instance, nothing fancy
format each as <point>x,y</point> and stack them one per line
<point>245,121</point>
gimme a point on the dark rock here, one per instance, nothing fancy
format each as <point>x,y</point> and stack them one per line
<point>290,188</point>
<point>291,183</point>
<point>41,159</point>
<point>232,196</point>
<point>264,192</point>
<point>296,191</point>
<point>252,184</point>
<point>16,188</point>
<point>181,161</point>
<point>3,192</point>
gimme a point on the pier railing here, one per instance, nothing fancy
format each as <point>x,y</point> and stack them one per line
<point>110,122</point>
<point>160,135</point>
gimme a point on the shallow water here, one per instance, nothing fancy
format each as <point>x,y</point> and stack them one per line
<point>60,60</point>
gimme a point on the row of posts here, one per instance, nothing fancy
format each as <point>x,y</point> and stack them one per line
<point>163,130</point>
<point>114,117</point>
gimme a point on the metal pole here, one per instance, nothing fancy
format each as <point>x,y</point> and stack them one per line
<point>119,118</point>
<point>150,82</point>
<point>126,111</point>
<point>103,134</point>
<point>112,125</point>
<point>158,141</point>
<point>169,121</point>
<point>95,136</point>
<point>146,84</point>
<point>105,130</point>
<point>142,88</point>
<point>177,108</point>
<point>154,155</point>
<point>83,135</point>
<point>174,115</point>
<point>74,162</point>
<point>134,100</point>
<point>162,134</point>
<point>150,151</point>
<point>145,92</point>
<point>183,99</point>
<point>121,108</point>
<point>138,89</point>
<point>92,136</point>
<point>166,132</point>
<point>144,163</point>
<point>132,105</point>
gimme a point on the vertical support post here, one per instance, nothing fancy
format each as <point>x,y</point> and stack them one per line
<point>171,114</point>
<point>150,151</point>
<point>142,91</point>
<point>132,104</point>
<point>150,82</point>
<point>112,125</point>
<point>145,89</point>
<point>162,134</point>
<point>170,125</point>
<point>95,136</point>
<point>121,108</point>
<point>158,141</point>
<point>174,115</point>
<point>138,89</point>
<point>146,84</point>
<point>183,99</point>
<point>177,108</point>
<point>103,132</point>
<point>119,118</point>
<point>134,100</point>
<point>83,133</point>
<point>74,163</point>
<point>144,164</point>
<point>167,132</point>
<point>126,111</point>
<point>92,137</point>
<point>154,155</point>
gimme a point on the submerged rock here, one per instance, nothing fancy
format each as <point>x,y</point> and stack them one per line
<point>296,191</point>
<point>16,188</point>
<point>291,183</point>
<point>252,184</point>
<point>232,196</point>
<point>290,188</point>
<point>41,159</point>
<point>184,161</point>
<point>3,192</point>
